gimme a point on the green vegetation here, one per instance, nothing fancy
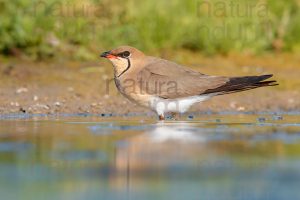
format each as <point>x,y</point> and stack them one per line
<point>78,28</point>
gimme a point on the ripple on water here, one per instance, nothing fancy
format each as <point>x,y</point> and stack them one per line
<point>77,155</point>
<point>108,128</point>
<point>15,146</point>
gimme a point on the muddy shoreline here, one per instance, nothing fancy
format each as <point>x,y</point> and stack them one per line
<point>83,87</point>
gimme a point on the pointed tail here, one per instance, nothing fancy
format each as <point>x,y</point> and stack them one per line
<point>238,84</point>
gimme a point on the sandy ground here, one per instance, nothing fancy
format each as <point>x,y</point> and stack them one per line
<point>83,87</point>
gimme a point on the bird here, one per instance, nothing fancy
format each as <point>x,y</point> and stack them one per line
<point>170,88</point>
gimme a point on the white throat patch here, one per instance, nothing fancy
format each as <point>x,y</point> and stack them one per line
<point>120,65</point>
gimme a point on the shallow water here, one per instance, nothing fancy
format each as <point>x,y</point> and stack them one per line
<point>202,157</point>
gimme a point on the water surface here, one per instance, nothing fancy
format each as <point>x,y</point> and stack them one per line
<point>200,157</point>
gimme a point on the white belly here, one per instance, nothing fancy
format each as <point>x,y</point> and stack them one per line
<point>179,105</point>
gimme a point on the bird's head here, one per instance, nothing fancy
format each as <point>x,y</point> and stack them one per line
<point>123,58</point>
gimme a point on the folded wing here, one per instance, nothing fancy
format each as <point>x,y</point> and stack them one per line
<point>169,80</point>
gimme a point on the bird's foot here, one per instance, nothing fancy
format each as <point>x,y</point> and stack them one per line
<point>172,116</point>
<point>161,117</point>
<point>175,116</point>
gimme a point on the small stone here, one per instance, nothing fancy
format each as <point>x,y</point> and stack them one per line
<point>41,106</point>
<point>22,110</point>
<point>261,119</point>
<point>14,104</point>
<point>70,89</point>
<point>241,108</point>
<point>94,104</point>
<point>21,90</point>
<point>233,104</point>
<point>191,117</point>
<point>168,117</point>
<point>35,98</point>
<point>57,103</point>
<point>277,118</point>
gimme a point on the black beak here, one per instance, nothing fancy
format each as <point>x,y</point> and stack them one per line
<point>105,54</point>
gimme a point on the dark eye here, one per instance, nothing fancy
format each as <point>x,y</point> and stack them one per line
<point>125,54</point>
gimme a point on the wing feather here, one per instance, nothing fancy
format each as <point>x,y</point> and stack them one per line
<point>169,80</point>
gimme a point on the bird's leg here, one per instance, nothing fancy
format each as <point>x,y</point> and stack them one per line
<point>161,117</point>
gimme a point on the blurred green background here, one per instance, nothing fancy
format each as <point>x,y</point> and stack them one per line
<point>78,29</point>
